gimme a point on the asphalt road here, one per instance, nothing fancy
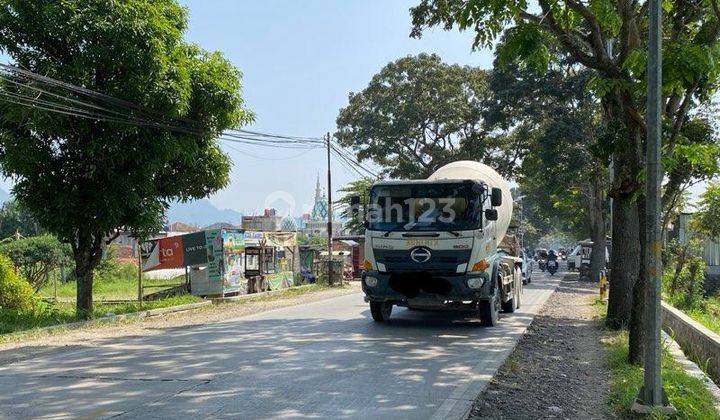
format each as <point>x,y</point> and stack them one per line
<point>322,359</point>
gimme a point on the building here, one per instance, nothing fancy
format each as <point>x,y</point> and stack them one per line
<point>316,222</point>
<point>182,227</point>
<point>269,221</point>
<point>220,225</point>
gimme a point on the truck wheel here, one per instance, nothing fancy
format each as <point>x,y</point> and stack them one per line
<point>489,311</point>
<point>509,306</point>
<point>380,311</point>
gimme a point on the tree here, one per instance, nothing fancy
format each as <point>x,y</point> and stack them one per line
<point>564,172</point>
<point>609,39</point>
<point>361,189</point>
<point>35,257</point>
<point>14,218</point>
<point>706,221</point>
<point>418,114</point>
<point>84,179</point>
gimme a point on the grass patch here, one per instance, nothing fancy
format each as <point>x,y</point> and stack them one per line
<point>707,313</point>
<point>686,393</point>
<point>62,313</point>
<point>15,326</point>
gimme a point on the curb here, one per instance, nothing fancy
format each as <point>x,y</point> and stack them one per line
<point>140,314</point>
<point>691,368</point>
<point>240,298</point>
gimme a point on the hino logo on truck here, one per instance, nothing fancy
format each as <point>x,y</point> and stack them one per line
<point>420,254</point>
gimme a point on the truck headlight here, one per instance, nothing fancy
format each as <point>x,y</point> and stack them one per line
<point>475,282</point>
<point>371,281</point>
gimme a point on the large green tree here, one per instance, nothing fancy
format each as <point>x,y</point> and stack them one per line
<point>609,38</point>
<point>84,179</point>
<point>563,174</point>
<point>418,114</point>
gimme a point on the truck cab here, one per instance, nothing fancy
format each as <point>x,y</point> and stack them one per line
<point>433,244</point>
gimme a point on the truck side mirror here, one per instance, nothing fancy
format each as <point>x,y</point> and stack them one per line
<point>355,205</point>
<point>496,197</point>
<point>491,214</point>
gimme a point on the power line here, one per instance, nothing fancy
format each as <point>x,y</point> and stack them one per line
<point>93,105</point>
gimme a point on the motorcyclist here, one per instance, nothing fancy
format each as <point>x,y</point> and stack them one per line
<point>552,256</point>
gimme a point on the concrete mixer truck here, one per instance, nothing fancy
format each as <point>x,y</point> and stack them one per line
<point>442,243</point>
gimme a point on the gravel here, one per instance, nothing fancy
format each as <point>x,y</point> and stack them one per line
<point>558,368</point>
<point>31,345</point>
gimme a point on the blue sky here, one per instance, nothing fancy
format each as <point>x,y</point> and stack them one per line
<point>300,59</point>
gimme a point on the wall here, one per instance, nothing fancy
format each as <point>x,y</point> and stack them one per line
<point>697,341</point>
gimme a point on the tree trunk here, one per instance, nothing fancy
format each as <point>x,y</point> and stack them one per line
<point>626,257</point>
<point>597,230</point>
<point>87,253</point>
<point>625,260</point>
<point>637,317</point>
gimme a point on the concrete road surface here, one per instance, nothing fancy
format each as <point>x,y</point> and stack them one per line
<point>322,359</point>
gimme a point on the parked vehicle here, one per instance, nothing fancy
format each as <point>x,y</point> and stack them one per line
<point>527,267</point>
<point>427,260</point>
<point>581,259</point>
<point>572,258</point>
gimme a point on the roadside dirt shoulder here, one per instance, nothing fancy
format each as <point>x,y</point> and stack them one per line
<point>558,368</point>
<point>27,346</point>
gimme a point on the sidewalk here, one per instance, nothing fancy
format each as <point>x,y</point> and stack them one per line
<point>558,368</point>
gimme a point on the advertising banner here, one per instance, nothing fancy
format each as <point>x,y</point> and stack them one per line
<point>233,248</point>
<point>195,248</point>
<point>213,247</point>
<point>162,253</point>
<point>190,250</point>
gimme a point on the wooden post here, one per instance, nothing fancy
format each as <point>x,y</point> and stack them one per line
<point>140,285</point>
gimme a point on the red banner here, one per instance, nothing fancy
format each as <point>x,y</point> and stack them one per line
<point>163,253</point>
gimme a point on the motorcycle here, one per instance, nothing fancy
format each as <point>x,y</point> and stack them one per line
<point>552,267</point>
<point>542,264</point>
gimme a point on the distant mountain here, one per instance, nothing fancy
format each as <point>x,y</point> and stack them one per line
<point>202,213</point>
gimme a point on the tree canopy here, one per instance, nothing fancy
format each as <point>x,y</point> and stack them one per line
<point>83,179</point>
<point>418,114</point>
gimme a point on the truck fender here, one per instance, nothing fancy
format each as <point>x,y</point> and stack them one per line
<point>493,284</point>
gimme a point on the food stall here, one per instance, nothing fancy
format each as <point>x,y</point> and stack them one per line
<point>271,257</point>
<point>214,259</point>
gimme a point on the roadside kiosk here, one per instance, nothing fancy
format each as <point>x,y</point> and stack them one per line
<point>270,259</point>
<point>213,258</point>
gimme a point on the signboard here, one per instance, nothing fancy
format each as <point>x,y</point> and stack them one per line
<point>233,248</point>
<point>162,253</point>
<point>189,250</point>
<point>194,248</point>
<point>213,246</point>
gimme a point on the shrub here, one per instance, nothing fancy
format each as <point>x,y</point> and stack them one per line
<point>36,256</point>
<point>685,274</point>
<point>16,294</point>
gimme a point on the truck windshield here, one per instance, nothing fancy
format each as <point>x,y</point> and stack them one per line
<point>426,207</point>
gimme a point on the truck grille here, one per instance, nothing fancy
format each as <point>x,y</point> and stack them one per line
<point>441,261</point>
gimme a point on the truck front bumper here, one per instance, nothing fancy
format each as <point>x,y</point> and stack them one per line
<point>425,289</point>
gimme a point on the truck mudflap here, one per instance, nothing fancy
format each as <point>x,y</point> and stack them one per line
<point>424,289</point>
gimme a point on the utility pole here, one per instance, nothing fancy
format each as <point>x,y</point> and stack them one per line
<point>652,393</point>
<point>329,212</point>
